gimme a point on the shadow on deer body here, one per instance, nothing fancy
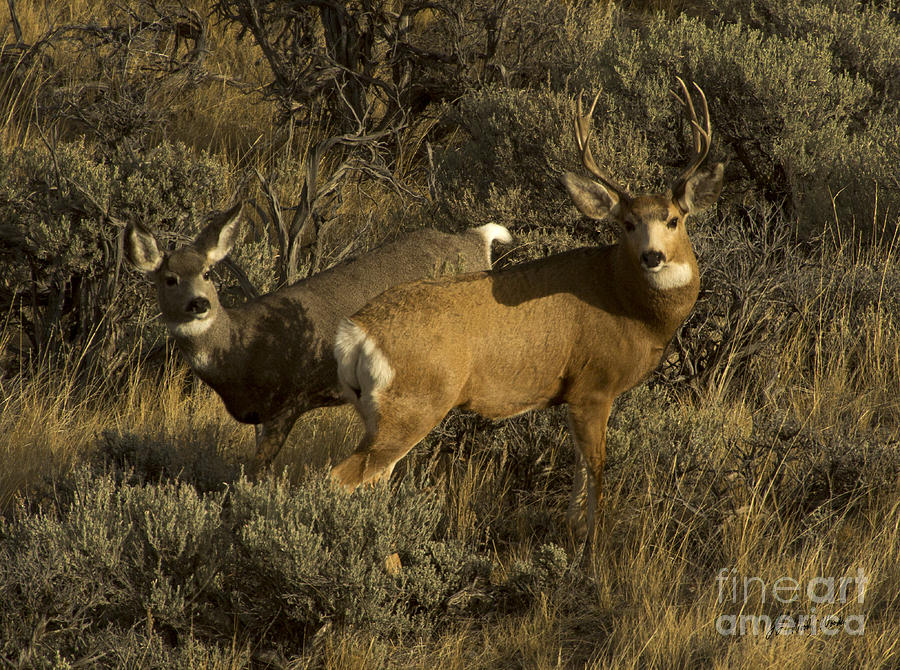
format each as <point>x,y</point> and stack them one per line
<point>270,359</point>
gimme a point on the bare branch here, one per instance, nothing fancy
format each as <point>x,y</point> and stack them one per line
<point>249,290</point>
<point>14,19</point>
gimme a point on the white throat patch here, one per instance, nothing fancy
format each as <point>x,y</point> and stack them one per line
<point>193,328</point>
<point>200,360</point>
<point>672,275</point>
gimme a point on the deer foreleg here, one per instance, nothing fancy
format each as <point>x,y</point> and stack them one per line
<point>270,438</point>
<point>587,422</point>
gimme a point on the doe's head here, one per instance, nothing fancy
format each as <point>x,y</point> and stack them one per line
<point>187,295</point>
<point>651,226</point>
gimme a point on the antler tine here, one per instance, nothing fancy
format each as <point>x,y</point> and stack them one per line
<point>582,137</point>
<point>702,136</point>
<point>688,104</point>
<point>705,132</point>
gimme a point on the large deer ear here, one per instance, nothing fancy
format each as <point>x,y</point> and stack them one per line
<point>590,197</point>
<point>141,249</point>
<point>701,190</point>
<point>216,240</point>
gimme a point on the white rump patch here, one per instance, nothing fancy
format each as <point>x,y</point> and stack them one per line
<point>492,231</point>
<point>363,369</point>
<point>193,328</point>
<point>671,275</point>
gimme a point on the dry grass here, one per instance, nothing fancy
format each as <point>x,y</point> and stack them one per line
<point>655,596</point>
<point>51,421</point>
<point>856,357</point>
<point>665,532</point>
<point>214,117</point>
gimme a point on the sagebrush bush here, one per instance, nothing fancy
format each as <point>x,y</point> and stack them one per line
<point>104,560</point>
<point>859,35</point>
<point>321,557</point>
<point>765,443</point>
<point>699,467</point>
<point>108,561</point>
<point>68,290</point>
<point>802,124</point>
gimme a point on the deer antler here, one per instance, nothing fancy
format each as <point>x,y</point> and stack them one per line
<point>702,134</point>
<point>582,136</point>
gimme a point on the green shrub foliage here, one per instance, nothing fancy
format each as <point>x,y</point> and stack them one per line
<point>140,558</point>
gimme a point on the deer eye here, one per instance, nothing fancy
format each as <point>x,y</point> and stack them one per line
<point>206,275</point>
<point>673,223</point>
<point>629,226</point>
<point>171,280</point>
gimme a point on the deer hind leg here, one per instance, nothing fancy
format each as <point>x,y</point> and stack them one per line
<point>389,437</point>
<point>587,423</point>
<point>395,420</point>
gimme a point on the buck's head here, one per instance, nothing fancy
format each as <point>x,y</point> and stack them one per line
<point>187,295</point>
<point>652,226</point>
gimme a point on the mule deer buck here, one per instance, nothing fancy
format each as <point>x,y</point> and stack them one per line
<point>270,359</point>
<point>579,327</point>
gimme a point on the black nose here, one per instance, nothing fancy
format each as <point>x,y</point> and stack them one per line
<point>198,306</point>
<point>652,258</point>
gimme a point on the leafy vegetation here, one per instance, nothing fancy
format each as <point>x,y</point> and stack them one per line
<point>765,444</point>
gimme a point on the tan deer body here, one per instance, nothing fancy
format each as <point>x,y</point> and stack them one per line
<point>270,359</point>
<point>577,328</point>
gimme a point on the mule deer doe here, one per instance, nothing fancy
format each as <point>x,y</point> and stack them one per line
<point>270,359</point>
<point>578,327</point>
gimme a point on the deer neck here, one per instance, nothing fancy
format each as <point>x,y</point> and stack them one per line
<point>206,349</point>
<point>661,305</point>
